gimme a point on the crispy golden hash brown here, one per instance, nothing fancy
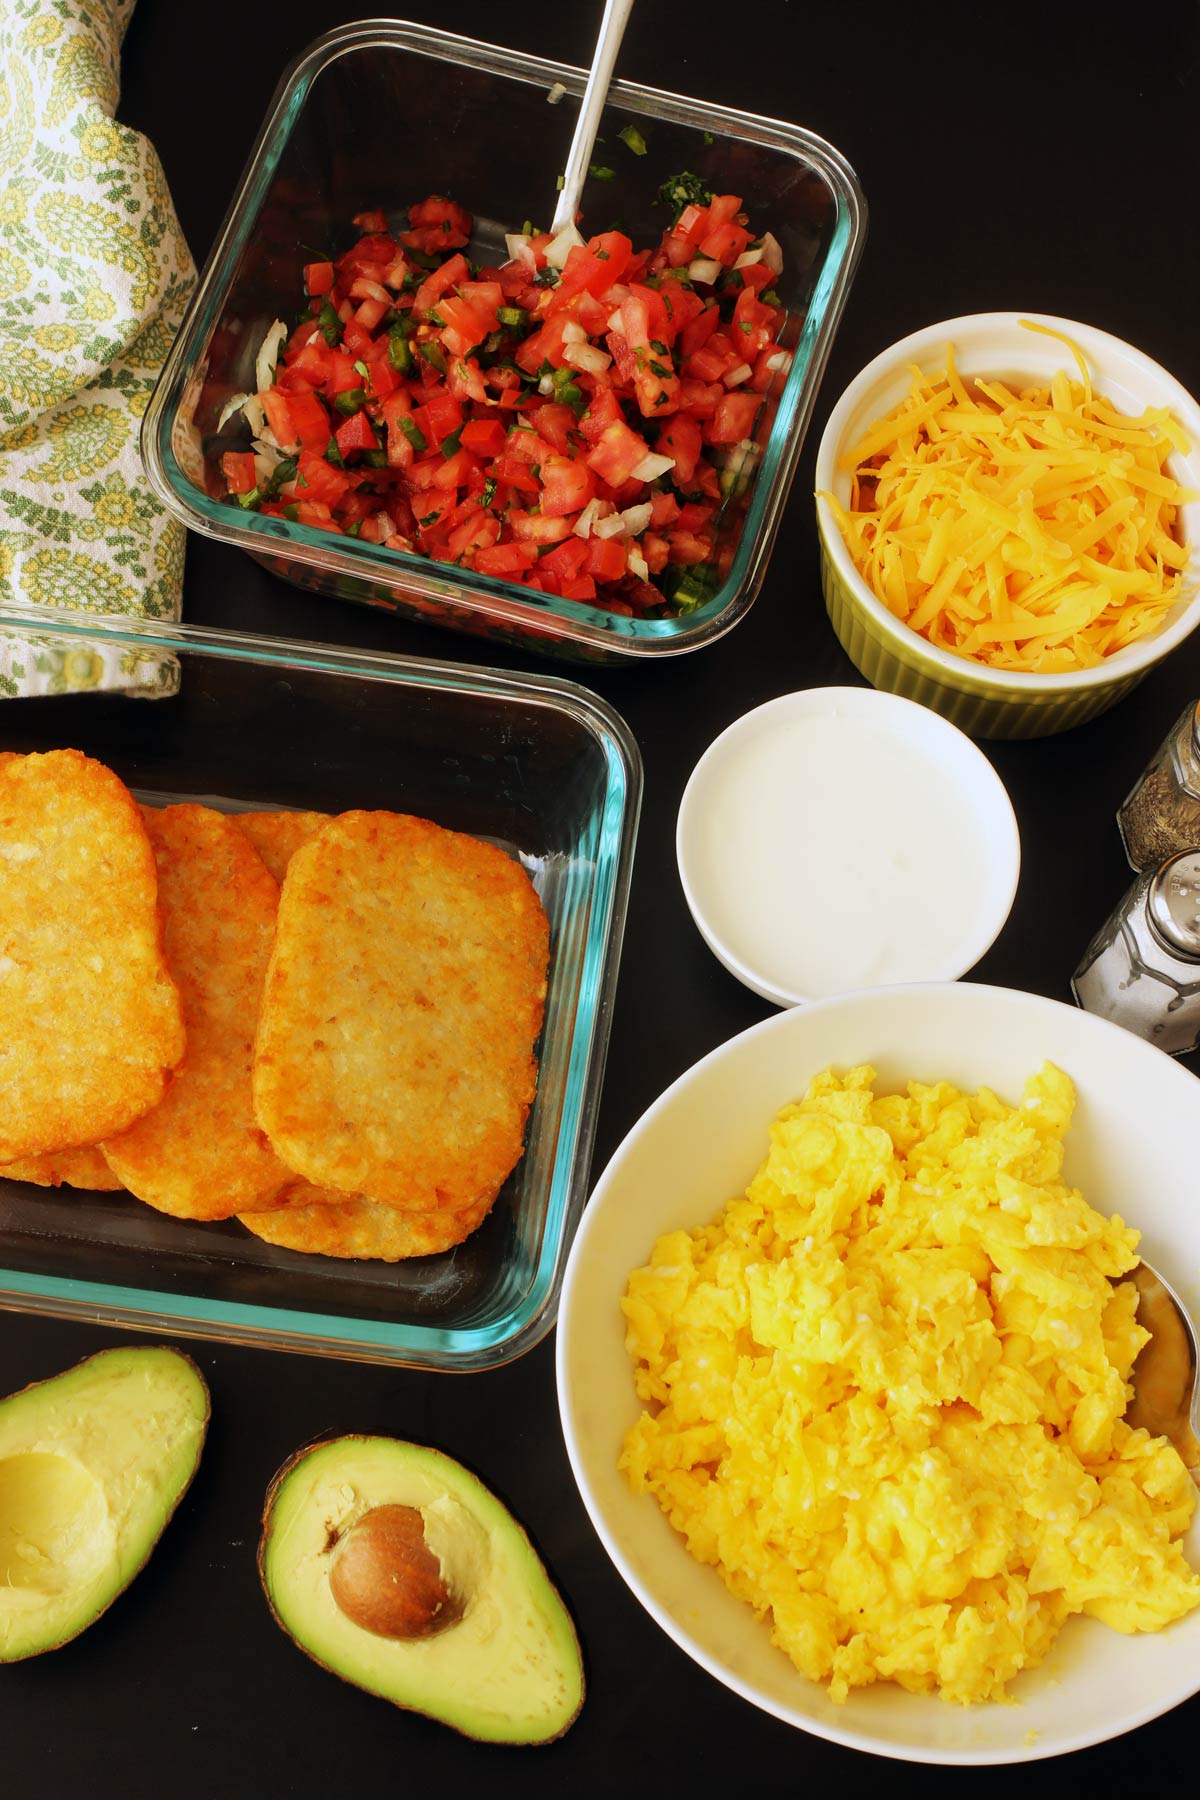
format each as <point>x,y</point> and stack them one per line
<point>200,1153</point>
<point>90,1020</point>
<point>314,1220</point>
<point>82,1168</point>
<point>277,835</point>
<point>395,1046</point>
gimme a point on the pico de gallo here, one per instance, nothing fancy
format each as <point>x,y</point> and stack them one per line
<point>572,420</point>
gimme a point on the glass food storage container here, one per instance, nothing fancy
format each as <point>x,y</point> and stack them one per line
<point>379,114</point>
<point>537,765</point>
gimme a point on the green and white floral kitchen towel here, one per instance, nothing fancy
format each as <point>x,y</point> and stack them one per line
<point>94,278</point>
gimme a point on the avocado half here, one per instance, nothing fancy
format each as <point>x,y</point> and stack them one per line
<point>93,1462</point>
<point>395,1568</point>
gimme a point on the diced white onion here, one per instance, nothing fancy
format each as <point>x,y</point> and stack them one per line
<point>265,464</point>
<point>595,509</point>
<point>772,254</point>
<point>268,355</point>
<point>385,525</point>
<point>779,359</point>
<point>268,450</point>
<point>736,376</point>
<point>704,269</point>
<point>637,518</point>
<point>587,356</point>
<point>255,414</point>
<point>615,321</point>
<point>637,563</point>
<point>234,404</point>
<point>546,385</point>
<point>652,466</point>
<point>748,258</point>
<point>519,249</point>
<point>612,526</point>
<point>556,93</point>
<point>573,332</point>
<point>560,247</point>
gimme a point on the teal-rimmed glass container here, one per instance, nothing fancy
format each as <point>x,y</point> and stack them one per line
<point>536,764</point>
<point>380,113</point>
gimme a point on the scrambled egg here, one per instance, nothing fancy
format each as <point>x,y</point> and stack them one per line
<point>885,1393</point>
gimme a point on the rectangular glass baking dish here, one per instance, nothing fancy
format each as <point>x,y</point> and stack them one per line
<point>380,113</point>
<point>536,764</point>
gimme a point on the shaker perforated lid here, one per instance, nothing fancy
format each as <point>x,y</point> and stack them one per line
<point>1173,905</point>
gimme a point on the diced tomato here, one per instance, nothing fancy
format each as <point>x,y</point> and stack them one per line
<point>356,434</point>
<point>439,418</point>
<point>374,220</point>
<point>606,558</point>
<point>318,277</point>
<point>311,422</point>
<point>475,533</point>
<point>279,417</point>
<point>604,409</point>
<point>315,512</point>
<point>554,423</point>
<point>618,453</point>
<point>567,486</point>
<point>516,473</point>
<point>238,469</point>
<point>581,588</point>
<point>464,326</point>
<point>437,224</point>
<point>698,330</point>
<point>566,561</point>
<point>533,528</point>
<point>318,480</point>
<point>733,419</point>
<point>699,398</point>
<point>505,559</point>
<point>484,436</point>
<point>439,282</point>
<point>680,438</point>
<point>664,508</point>
<point>725,244</point>
<point>686,548</point>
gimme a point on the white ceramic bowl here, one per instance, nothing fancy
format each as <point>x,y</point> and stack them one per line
<point>992,702</point>
<point>1131,1149</point>
<point>840,838</point>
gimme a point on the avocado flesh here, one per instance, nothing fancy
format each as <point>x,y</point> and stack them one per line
<point>92,1464</point>
<point>509,1671</point>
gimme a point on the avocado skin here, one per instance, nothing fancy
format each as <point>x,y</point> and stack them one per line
<point>100,1361</point>
<point>277,1487</point>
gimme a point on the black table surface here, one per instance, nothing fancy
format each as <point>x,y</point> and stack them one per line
<point>1030,157</point>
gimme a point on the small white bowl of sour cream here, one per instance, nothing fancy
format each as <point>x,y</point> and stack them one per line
<point>842,838</point>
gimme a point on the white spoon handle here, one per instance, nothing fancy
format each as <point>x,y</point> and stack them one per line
<point>612,30</point>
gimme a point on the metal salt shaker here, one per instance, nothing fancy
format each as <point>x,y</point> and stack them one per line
<point>1142,968</point>
<point>1161,815</point>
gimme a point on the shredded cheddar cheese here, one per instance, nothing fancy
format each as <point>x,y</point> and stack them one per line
<point>1031,530</point>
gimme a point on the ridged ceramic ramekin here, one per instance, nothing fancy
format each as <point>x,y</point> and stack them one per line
<point>982,701</point>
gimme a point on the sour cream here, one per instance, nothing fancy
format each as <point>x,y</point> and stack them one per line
<point>841,838</point>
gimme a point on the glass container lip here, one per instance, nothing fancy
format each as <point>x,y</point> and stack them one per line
<point>455,1349</point>
<point>487,598</point>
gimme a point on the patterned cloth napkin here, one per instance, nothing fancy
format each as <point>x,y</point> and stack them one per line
<point>94,278</point>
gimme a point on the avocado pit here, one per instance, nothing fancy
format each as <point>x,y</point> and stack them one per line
<point>387,1581</point>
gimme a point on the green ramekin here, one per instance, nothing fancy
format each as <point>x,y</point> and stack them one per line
<point>982,701</point>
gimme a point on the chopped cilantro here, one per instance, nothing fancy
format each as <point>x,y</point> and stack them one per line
<point>657,344</point>
<point>656,368</point>
<point>489,491</point>
<point>430,519</point>
<point>413,433</point>
<point>331,325</point>
<point>682,190</point>
<point>333,455</point>
<point>435,318</point>
<point>450,444</point>
<point>599,172</point>
<point>771,298</point>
